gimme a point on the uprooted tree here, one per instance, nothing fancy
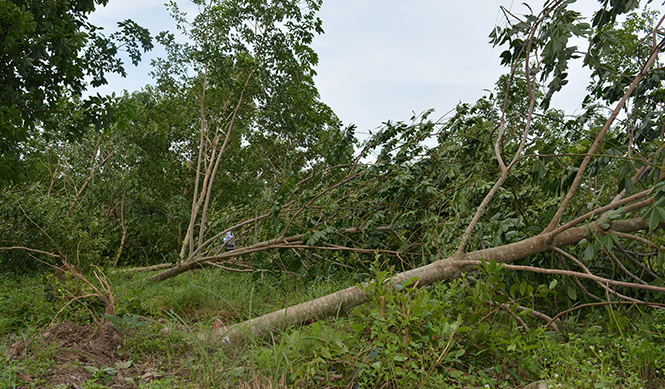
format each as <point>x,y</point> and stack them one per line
<point>510,179</point>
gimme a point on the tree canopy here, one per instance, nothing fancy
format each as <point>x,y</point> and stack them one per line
<point>50,55</point>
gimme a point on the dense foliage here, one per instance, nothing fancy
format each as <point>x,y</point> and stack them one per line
<point>50,52</point>
<point>234,138</point>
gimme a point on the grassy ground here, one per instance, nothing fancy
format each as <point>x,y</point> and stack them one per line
<point>450,335</point>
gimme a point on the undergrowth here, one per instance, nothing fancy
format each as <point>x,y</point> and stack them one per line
<point>466,333</point>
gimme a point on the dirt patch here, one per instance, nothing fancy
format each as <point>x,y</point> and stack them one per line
<point>81,354</point>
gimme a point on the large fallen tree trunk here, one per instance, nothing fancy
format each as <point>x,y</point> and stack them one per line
<point>443,269</point>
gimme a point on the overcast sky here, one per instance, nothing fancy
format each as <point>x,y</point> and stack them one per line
<point>379,60</point>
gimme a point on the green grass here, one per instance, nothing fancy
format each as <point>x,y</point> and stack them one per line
<point>449,335</point>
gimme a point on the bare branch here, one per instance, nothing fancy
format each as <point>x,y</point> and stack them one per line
<point>31,250</point>
<point>573,274</point>
<point>608,207</point>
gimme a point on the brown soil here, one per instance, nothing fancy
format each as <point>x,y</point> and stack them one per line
<point>77,352</point>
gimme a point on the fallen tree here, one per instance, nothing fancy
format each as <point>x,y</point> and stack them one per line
<point>531,179</point>
<point>602,224</point>
<point>341,302</point>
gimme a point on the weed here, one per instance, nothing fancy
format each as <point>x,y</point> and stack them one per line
<point>406,330</point>
<point>304,355</point>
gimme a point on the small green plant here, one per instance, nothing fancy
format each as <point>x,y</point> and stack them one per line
<point>164,383</point>
<point>303,355</point>
<point>127,322</point>
<point>406,330</point>
<point>132,305</point>
<point>102,376</point>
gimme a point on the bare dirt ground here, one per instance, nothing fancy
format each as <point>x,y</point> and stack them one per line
<point>81,354</point>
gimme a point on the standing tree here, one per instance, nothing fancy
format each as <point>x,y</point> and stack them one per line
<point>248,71</point>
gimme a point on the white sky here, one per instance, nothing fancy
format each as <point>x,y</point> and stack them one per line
<point>379,60</point>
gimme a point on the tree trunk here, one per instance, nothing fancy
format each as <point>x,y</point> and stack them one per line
<point>443,269</point>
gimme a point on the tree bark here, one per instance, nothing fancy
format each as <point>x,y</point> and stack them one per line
<point>124,231</point>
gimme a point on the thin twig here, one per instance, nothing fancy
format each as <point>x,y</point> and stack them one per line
<point>569,273</point>
<point>31,250</point>
<point>639,239</point>
<point>576,280</point>
<point>609,303</point>
<point>575,308</point>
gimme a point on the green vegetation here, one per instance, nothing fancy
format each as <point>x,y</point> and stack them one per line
<point>519,247</point>
<point>455,334</point>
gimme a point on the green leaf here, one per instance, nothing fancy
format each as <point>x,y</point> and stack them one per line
<point>513,290</point>
<point>628,185</point>
<point>661,212</point>
<point>110,371</point>
<point>523,288</point>
<point>572,294</point>
<point>606,241</point>
<point>616,213</point>
<point>590,252</point>
<point>123,365</point>
<point>654,219</point>
<point>457,373</point>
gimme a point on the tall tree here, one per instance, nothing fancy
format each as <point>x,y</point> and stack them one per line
<point>248,71</point>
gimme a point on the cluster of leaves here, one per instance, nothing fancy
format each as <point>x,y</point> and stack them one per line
<point>48,50</point>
